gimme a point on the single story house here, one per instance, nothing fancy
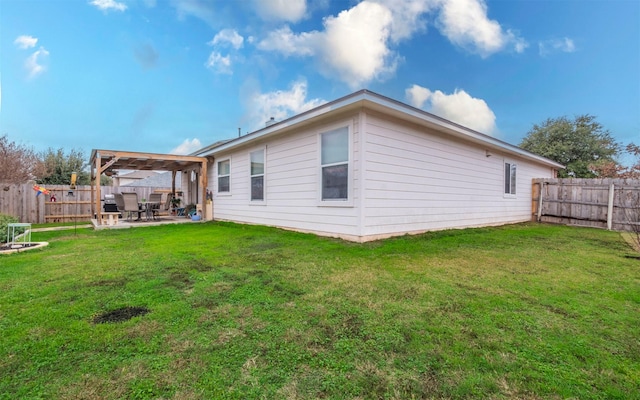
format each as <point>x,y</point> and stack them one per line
<point>131,178</point>
<point>365,167</point>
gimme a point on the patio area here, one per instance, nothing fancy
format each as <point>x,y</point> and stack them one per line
<point>124,223</point>
<point>108,162</point>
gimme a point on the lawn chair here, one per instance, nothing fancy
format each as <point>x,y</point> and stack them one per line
<point>155,201</point>
<point>119,203</point>
<point>131,204</point>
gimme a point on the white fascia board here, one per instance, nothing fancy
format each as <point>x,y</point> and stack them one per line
<point>366,99</point>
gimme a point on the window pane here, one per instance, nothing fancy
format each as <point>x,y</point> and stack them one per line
<point>513,179</point>
<point>335,146</point>
<point>334,182</point>
<point>257,188</point>
<point>223,168</point>
<point>507,178</point>
<point>257,162</point>
<point>223,184</point>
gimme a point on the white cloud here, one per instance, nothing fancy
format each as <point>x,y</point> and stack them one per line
<point>283,40</point>
<point>33,63</point>
<point>25,42</point>
<point>458,107</point>
<point>564,45</point>
<point>219,63</point>
<point>408,16</point>
<point>466,24</point>
<point>279,104</point>
<point>417,95</point>
<point>356,46</point>
<point>200,9</point>
<point>229,36</point>
<point>106,5</point>
<point>353,46</point>
<point>281,10</point>
<point>187,147</point>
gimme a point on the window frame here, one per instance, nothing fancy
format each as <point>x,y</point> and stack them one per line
<point>218,176</point>
<point>348,202</point>
<point>510,178</point>
<point>262,201</point>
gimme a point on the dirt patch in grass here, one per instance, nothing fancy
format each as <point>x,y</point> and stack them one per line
<point>120,314</point>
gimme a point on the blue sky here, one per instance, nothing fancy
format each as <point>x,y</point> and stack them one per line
<point>175,75</point>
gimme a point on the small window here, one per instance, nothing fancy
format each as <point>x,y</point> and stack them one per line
<point>335,164</point>
<point>257,175</point>
<point>224,175</point>
<point>509,178</point>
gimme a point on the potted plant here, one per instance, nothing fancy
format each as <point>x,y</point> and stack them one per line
<point>175,204</point>
<point>189,210</point>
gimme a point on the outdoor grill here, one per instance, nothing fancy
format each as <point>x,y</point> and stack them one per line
<point>110,203</point>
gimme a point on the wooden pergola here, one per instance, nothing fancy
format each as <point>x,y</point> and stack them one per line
<point>105,161</point>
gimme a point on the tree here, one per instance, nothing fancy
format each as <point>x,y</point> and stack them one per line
<point>581,144</point>
<point>613,169</point>
<point>18,163</point>
<point>59,167</point>
<point>634,170</point>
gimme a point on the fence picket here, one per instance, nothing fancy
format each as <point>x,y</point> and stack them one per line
<point>605,203</point>
<point>21,201</point>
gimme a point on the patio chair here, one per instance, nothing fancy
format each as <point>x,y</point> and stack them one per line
<point>155,201</point>
<point>131,204</point>
<point>119,203</point>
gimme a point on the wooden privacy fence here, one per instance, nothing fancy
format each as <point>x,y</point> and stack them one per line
<point>21,201</point>
<point>613,204</point>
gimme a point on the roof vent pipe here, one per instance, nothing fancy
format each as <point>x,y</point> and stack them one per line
<point>270,122</point>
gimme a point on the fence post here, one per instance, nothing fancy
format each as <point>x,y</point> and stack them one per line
<point>610,206</point>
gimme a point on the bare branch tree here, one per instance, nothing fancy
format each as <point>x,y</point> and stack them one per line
<point>18,163</point>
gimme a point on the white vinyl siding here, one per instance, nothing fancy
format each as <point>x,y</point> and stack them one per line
<point>402,178</point>
<point>291,185</point>
<point>418,180</point>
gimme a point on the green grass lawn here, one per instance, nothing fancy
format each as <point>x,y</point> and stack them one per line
<point>526,311</point>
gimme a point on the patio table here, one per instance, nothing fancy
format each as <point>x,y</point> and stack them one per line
<point>148,207</point>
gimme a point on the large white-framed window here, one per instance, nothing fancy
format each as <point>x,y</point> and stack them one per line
<point>510,178</point>
<point>257,175</point>
<point>335,165</point>
<point>224,176</point>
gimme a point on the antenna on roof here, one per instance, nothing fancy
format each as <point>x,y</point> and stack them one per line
<point>270,122</point>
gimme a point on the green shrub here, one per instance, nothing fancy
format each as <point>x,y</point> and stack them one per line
<point>4,221</point>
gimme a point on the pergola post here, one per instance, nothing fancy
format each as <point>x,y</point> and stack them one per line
<point>202,181</point>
